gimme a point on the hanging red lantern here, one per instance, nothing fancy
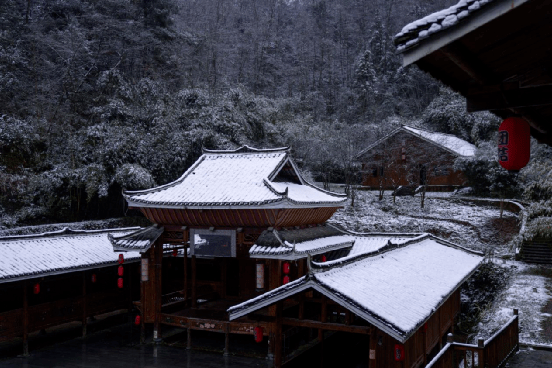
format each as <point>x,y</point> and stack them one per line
<point>120,270</point>
<point>514,144</point>
<point>137,320</point>
<point>121,259</point>
<point>93,278</point>
<point>36,288</point>
<point>175,252</point>
<point>120,283</point>
<point>323,258</point>
<point>258,334</point>
<point>425,327</point>
<point>286,267</point>
<point>286,279</point>
<point>399,352</point>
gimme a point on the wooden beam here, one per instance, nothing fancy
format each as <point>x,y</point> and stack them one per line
<point>510,99</point>
<point>328,326</point>
<point>463,58</point>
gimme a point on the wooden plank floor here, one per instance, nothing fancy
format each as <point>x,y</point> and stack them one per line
<point>118,347</point>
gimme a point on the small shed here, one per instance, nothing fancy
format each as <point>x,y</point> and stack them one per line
<point>411,156</point>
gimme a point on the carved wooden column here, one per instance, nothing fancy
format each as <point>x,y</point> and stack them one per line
<point>158,257</point>
<point>194,282</point>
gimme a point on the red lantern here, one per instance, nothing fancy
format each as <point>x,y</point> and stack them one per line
<point>399,352</point>
<point>323,258</point>
<point>121,259</point>
<point>93,278</point>
<point>36,288</point>
<point>120,270</point>
<point>137,320</point>
<point>258,334</point>
<point>286,279</point>
<point>175,252</point>
<point>286,267</point>
<point>514,144</point>
<point>120,283</point>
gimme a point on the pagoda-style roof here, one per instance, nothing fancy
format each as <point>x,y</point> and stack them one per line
<point>58,252</point>
<point>324,239</point>
<point>137,241</point>
<point>242,178</point>
<point>396,288</point>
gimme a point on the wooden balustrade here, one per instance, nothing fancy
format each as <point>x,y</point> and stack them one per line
<point>491,353</point>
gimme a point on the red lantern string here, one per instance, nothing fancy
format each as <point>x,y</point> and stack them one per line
<point>137,320</point>
<point>121,259</point>
<point>36,288</point>
<point>120,282</point>
<point>286,267</point>
<point>120,271</point>
<point>286,279</point>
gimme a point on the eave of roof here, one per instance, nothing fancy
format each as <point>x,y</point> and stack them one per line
<point>415,47</point>
<point>139,241</point>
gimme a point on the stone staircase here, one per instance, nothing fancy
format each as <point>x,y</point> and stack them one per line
<point>537,251</point>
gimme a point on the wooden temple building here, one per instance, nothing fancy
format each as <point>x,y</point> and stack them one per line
<point>59,277</point>
<point>240,246</point>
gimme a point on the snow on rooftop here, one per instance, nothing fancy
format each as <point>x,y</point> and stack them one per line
<point>450,142</point>
<point>396,289</point>
<point>234,178</point>
<point>414,32</point>
<point>57,252</point>
<point>403,286</point>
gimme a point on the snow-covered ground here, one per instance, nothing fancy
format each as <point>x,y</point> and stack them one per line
<point>530,291</point>
<point>459,221</point>
<point>529,287</point>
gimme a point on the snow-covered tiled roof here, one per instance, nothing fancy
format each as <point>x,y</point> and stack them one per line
<point>139,241</point>
<point>413,33</point>
<point>244,177</point>
<point>397,289</point>
<point>29,256</point>
<point>449,142</point>
<point>322,239</point>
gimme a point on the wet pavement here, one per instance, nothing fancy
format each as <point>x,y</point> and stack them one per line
<point>115,347</point>
<point>531,358</point>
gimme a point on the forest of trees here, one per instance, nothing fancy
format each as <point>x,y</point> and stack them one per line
<point>97,96</point>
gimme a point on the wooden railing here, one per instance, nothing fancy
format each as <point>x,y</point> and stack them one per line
<point>491,353</point>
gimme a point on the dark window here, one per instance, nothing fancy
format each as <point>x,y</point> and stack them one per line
<point>218,243</point>
<point>375,172</point>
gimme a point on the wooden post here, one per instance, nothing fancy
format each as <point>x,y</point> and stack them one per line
<point>516,330</point>
<point>278,351</point>
<point>186,274</point>
<point>189,337</point>
<point>226,339</point>
<point>323,317</point>
<point>144,272</point>
<point>158,256</point>
<point>223,278</point>
<point>373,347</point>
<point>194,284</point>
<point>481,353</point>
<point>84,298</point>
<point>25,320</point>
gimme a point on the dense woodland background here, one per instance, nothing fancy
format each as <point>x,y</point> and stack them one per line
<point>97,96</point>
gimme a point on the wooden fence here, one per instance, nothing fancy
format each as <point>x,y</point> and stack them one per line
<point>491,353</point>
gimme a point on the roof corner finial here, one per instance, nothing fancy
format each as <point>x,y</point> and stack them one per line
<point>309,266</point>
<point>294,246</point>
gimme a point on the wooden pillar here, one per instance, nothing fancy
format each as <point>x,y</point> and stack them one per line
<point>25,320</point>
<point>226,339</point>
<point>323,316</point>
<point>84,302</point>
<point>278,349</point>
<point>189,338</point>
<point>372,363</point>
<point>223,277</point>
<point>186,274</point>
<point>144,277</point>
<point>194,282</point>
<point>158,257</point>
